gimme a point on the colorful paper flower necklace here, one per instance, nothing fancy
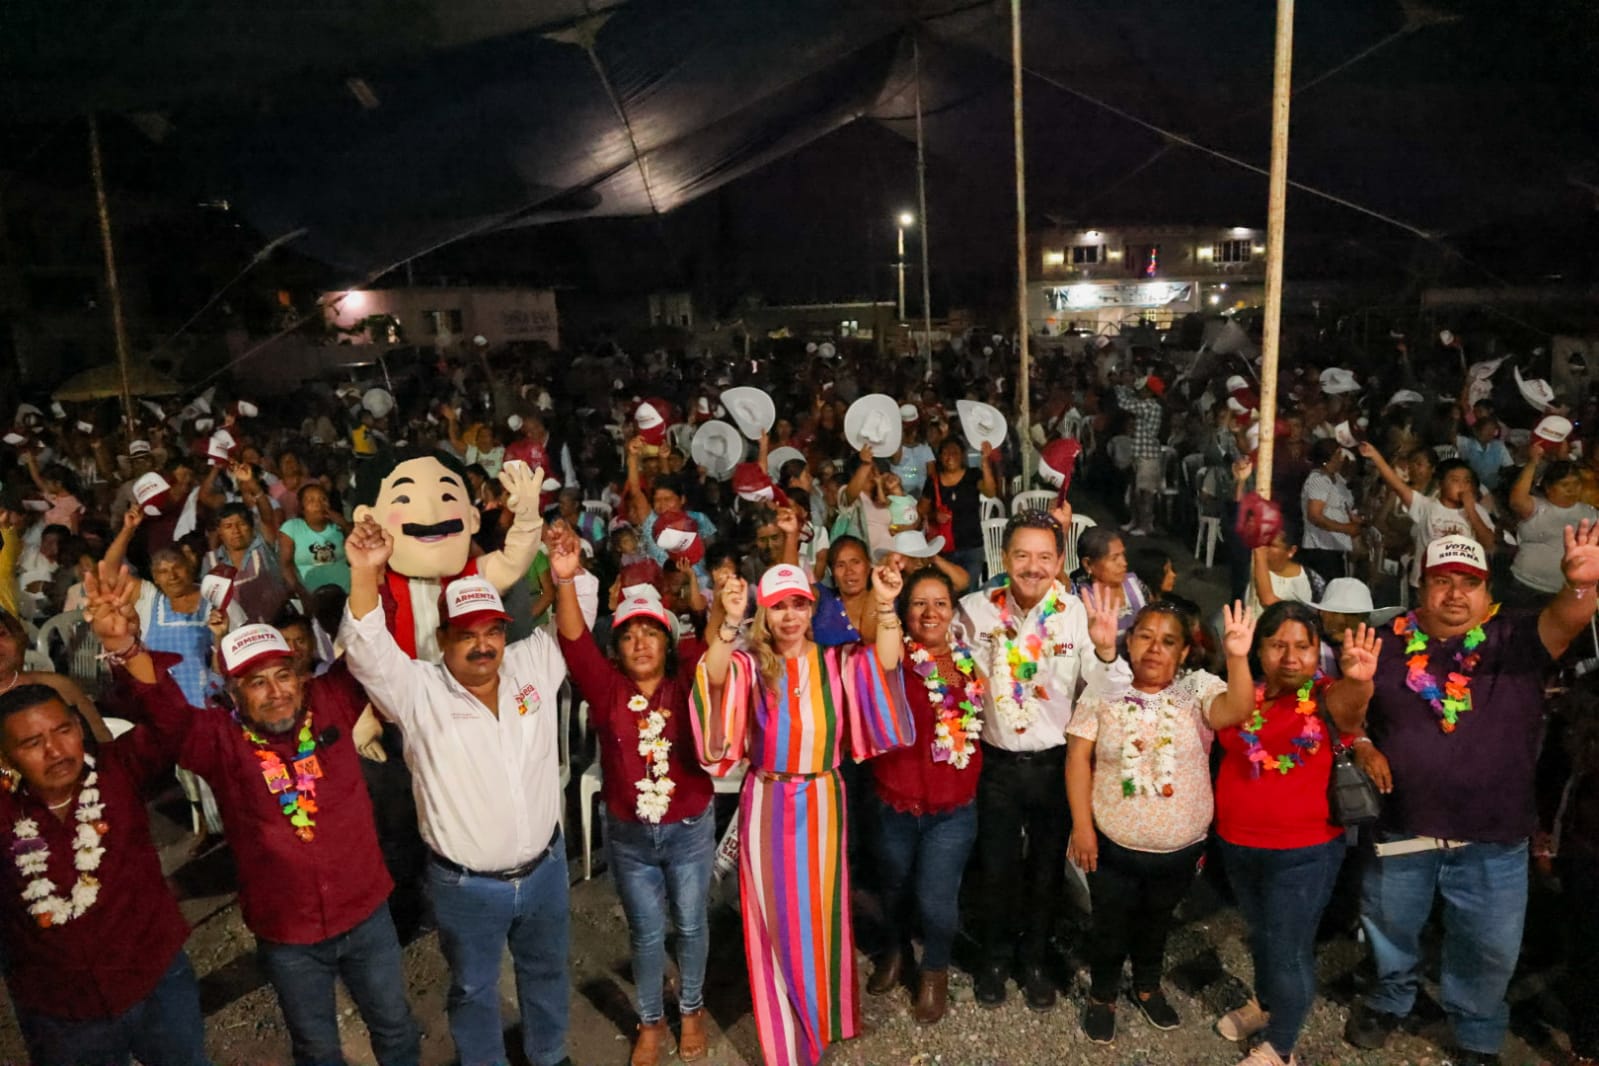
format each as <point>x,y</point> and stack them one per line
<point>296,792</point>
<point>1453,698</point>
<point>1016,658</point>
<point>960,723</point>
<point>655,787</point>
<point>1306,744</point>
<point>31,853</point>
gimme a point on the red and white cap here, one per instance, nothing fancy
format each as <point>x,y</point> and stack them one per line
<point>471,600</point>
<point>138,447</point>
<point>1058,460</point>
<point>1456,553</point>
<point>17,436</point>
<point>152,492</point>
<point>781,582</point>
<point>242,409</point>
<point>650,417</point>
<point>679,537</point>
<point>249,646</point>
<point>642,572</point>
<point>220,448</point>
<point>642,601</point>
<point>1243,402</point>
<point>1553,429</point>
<point>752,483</point>
<point>216,588</point>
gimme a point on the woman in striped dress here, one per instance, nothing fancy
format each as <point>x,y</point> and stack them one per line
<point>793,711</point>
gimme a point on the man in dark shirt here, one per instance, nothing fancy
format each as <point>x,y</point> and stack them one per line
<point>1458,711</point>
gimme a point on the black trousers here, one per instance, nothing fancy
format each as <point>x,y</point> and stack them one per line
<point>1135,894</point>
<point>1023,824</point>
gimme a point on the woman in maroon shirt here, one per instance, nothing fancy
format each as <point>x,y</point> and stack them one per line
<point>926,793</point>
<point>660,827</point>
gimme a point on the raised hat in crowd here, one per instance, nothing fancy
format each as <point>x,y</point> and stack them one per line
<point>249,646</point>
<point>678,536</point>
<point>777,458</point>
<point>1336,380</point>
<point>152,492</point>
<point>911,543</point>
<point>1553,429</point>
<point>650,417</point>
<point>752,483</point>
<point>1404,398</point>
<point>751,408</point>
<point>717,447</point>
<point>1456,553</point>
<point>1536,391</point>
<point>908,413</point>
<point>1348,595</point>
<point>873,420</point>
<point>1237,383</point>
<point>470,600</point>
<point>981,423</point>
<point>781,582</point>
<point>378,402</point>
<point>1058,461</point>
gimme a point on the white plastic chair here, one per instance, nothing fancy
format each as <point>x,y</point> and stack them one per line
<point>599,507</point>
<point>82,649</point>
<point>1206,537</point>
<point>1080,522</point>
<point>1032,500</point>
<point>563,722</point>
<point>993,548</point>
<point>37,662</point>
<point>991,508</point>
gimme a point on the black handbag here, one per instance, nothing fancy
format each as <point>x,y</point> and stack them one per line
<point>1352,797</point>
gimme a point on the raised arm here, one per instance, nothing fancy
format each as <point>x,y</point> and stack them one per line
<point>256,496</point>
<point>989,484</point>
<point>1387,473</point>
<point>1238,636</point>
<point>1521,500</point>
<point>375,660</point>
<point>788,523</point>
<point>890,643</point>
<point>734,598</point>
<point>637,504</point>
<point>860,481</point>
<point>117,553</point>
<point>1570,612</point>
<point>566,560</point>
<point>1348,697</point>
<point>1261,573</point>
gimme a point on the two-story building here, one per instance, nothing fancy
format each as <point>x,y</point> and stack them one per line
<point>1094,280</point>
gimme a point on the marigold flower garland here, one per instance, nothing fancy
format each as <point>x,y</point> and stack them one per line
<point>1143,713</point>
<point>1453,698</point>
<point>1306,744</point>
<point>1016,658</point>
<point>31,853</point>
<point>655,787</point>
<point>960,723</point>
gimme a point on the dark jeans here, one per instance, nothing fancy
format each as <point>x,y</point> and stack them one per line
<point>932,848</point>
<point>1022,888</point>
<point>1135,894</point>
<point>478,917</point>
<point>164,1027</point>
<point>1281,894</point>
<point>368,959</point>
<point>656,867</point>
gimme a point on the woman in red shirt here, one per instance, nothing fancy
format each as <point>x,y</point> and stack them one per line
<point>660,825</point>
<point>926,794</point>
<point>1282,852</point>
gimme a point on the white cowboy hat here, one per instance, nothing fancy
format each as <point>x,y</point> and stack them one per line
<point>751,408</point>
<point>717,447</point>
<point>1347,595</point>
<point>873,420</point>
<point>1535,391</point>
<point>1336,380</point>
<point>1405,397</point>
<point>777,458</point>
<point>911,543</point>
<point>377,401</point>
<point>981,423</point>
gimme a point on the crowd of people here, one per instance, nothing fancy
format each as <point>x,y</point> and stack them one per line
<point>346,618</point>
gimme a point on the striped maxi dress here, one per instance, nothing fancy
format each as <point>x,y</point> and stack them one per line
<point>793,877</point>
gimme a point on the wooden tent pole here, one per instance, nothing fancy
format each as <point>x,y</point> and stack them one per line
<point>921,207</point>
<point>118,327</point>
<point>1024,374</point>
<point>1276,213</point>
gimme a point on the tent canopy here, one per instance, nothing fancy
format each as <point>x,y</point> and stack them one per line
<point>103,382</point>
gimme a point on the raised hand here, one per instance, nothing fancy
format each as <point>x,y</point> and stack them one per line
<point>886,584</point>
<point>110,613</point>
<point>1238,630</point>
<point>132,518</point>
<point>566,556</point>
<point>242,473</point>
<point>1581,562</point>
<point>788,522</point>
<point>866,454</point>
<point>522,490</point>
<point>217,622</point>
<point>1102,628</point>
<point>1358,660</point>
<point>369,545</point>
<point>1242,468</point>
<point>1368,450</point>
<point>735,598</point>
<point>1062,513</point>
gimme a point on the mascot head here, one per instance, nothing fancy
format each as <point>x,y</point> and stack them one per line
<point>422,498</point>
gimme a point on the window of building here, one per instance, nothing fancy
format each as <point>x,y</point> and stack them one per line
<point>1143,260</point>
<point>849,327</point>
<point>1232,251</point>
<point>436,322</point>
<point>1088,254</point>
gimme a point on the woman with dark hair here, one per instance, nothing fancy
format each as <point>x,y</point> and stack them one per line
<point>926,795</point>
<point>1282,851</point>
<point>1153,567</point>
<point>844,612</point>
<point>952,505</point>
<point>1330,521</point>
<point>1138,780</point>
<point>660,826</point>
<point>311,546</point>
<point>1104,575</point>
<point>1540,535</point>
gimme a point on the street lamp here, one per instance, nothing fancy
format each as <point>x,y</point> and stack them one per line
<point>906,220</point>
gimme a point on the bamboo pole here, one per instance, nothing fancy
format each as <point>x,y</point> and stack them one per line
<point>1024,373</point>
<point>1276,213</point>
<point>921,206</point>
<point>118,327</point>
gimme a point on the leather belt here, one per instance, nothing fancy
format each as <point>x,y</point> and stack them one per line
<point>516,873</point>
<point>1005,755</point>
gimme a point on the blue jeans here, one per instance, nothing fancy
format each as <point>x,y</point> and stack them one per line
<point>368,958</point>
<point>972,561</point>
<point>656,866</point>
<point>933,847</point>
<point>1281,894</point>
<point>1484,888</point>
<point>478,917</point>
<point>164,1027</point>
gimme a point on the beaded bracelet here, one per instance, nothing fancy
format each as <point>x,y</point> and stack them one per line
<point>126,655</point>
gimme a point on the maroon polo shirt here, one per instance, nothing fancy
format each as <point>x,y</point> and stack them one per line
<point>292,891</point>
<point>607,691</point>
<point>113,955</point>
<point>907,778</point>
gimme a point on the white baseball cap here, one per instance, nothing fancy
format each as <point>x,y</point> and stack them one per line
<point>139,447</point>
<point>781,582</point>
<point>248,646</point>
<point>470,600</point>
<point>1456,552</point>
<point>1553,429</point>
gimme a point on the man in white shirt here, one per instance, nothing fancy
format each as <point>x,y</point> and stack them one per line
<point>481,743</point>
<point>1026,708</point>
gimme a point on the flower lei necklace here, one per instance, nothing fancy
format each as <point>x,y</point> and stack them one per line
<point>1143,713</point>
<point>31,853</point>
<point>1453,698</point>
<point>297,793</point>
<point>1016,658</point>
<point>959,721</point>
<point>1306,744</point>
<point>655,787</point>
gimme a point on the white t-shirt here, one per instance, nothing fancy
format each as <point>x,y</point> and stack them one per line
<point>1434,519</point>
<point>1298,588</point>
<point>1334,492</point>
